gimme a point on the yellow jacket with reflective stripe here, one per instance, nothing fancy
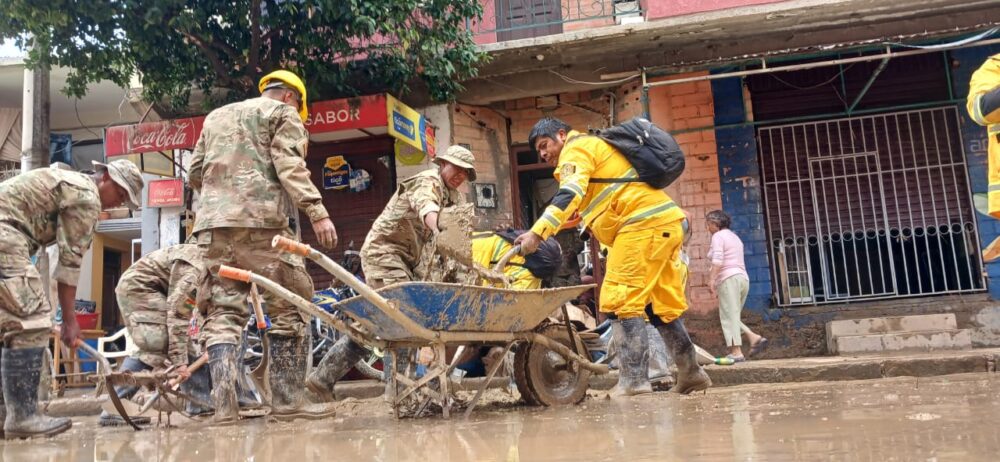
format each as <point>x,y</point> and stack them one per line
<point>605,207</point>
<point>488,248</point>
<point>984,81</point>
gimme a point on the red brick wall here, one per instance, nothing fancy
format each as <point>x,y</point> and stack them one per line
<point>485,132</point>
<point>656,9</point>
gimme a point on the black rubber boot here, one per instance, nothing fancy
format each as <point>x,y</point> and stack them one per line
<point>222,361</point>
<point>337,361</point>
<point>690,376</point>
<point>108,419</point>
<point>633,357</point>
<point>287,376</point>
<point>199,386</point>
<point>21,371</point>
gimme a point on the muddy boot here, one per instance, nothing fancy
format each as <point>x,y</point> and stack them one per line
<point>222,362</point>
<point>337,361</point>
<point>287,376</point>
<point>633,358</point>
<point>690,376</point>
<point>108,419</point>
<point>199,386</point>
<point>21,371</point>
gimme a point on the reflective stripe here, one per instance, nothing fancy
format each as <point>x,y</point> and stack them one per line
<point>977,111</point>
<point>496,254</point>
<point>551,219</point>
<point>994,187</point>
<point>607,192</point>
<point>650,212</point>
<point>993,129</point>
<point>574,188</point>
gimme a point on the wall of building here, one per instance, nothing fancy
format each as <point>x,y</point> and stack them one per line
<point>656,9</point>
<point>484,131</point>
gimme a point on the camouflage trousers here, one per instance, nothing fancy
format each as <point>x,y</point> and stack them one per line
<point>23,297</point>
<point>145,315</point>
<point>224,302</point>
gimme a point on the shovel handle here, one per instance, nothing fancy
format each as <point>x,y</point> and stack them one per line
<point>291,246</point>
<point>258,310</point>
<point>176,381</point>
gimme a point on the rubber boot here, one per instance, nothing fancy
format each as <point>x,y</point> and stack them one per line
<point>108,419</point>
<point>690,376</point>
<point>633,358</point>
<point>287,375</point>
<point>21,371</point>
<point>222,362</point>
<point>199,386</point>
<point>337,361</point>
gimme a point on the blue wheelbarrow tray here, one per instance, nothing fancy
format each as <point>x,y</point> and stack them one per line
<point>445,307</point>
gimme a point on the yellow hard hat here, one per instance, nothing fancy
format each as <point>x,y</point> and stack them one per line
<point>291,80</point>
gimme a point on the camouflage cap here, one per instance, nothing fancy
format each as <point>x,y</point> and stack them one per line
<point>460,157</point>
<point>127,175</point>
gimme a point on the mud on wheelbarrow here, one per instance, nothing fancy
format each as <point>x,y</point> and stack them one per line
<point>440,315</point>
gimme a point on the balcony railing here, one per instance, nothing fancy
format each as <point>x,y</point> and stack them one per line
<point>517,19</point>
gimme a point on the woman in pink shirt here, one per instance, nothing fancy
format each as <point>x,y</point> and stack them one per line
<point>730,282</point>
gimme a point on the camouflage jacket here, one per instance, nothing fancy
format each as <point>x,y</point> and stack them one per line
<point>49,206</point>
<point>175,273</point>
<point>400,230</point>
<point>249,167</point>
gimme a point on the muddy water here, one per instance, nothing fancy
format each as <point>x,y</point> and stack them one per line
<point>950,418</point>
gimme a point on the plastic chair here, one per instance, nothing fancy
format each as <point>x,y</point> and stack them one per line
<point>130,347</point>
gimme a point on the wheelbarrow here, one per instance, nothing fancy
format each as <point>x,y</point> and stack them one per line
<point>412,315</point>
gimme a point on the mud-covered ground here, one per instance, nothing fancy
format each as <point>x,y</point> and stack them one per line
<point>942,418</point>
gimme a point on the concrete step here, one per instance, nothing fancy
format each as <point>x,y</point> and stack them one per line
<point>887,325</point>
<point>928,340</point>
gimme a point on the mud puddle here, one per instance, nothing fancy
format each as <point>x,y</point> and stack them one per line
<point>941,418</point>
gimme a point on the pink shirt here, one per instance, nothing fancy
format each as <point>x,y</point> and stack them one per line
<point>726,252</point>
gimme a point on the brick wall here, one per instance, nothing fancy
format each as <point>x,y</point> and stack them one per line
<point>485,132</point>
<point>581,110</point>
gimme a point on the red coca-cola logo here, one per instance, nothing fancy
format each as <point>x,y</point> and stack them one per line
<point>169,134</point>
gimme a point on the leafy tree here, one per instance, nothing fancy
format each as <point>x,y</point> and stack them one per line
<point>340,47</point>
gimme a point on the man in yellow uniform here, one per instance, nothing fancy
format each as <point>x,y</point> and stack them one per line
<point>524,273</point>
<point>642,227</point>
<point>984,107</point>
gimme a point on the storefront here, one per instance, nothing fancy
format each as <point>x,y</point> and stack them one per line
<point>355,146</point>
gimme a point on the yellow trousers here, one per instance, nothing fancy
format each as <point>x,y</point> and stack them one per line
<point>645,266</point>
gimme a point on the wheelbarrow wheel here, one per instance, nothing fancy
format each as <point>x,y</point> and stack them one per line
<point>521,374</point>
<point>551,379</point>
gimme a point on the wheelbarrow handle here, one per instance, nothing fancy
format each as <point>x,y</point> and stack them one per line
<point>291,246</point>
<point>197,364</point>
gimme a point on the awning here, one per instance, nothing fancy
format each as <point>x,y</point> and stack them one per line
<point>333,120</point>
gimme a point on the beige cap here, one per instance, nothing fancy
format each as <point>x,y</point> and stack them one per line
<point>127,175</point>
<point>459,156</point>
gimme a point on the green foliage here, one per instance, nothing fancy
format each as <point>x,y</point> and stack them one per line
<point>340,47</point>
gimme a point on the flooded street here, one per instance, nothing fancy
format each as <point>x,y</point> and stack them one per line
<point>941,418</point>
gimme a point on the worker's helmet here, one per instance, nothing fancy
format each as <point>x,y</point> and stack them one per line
<point>287,79</point>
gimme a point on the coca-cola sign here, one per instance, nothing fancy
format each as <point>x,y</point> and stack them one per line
<point>152,136</point>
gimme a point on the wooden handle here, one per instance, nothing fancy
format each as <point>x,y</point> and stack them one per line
<point>288,245</point>
<point>176,381</point>
<point>235,274</point>
<point>258,310</point>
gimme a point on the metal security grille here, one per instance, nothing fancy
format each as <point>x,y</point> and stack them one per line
<point>869,207</point>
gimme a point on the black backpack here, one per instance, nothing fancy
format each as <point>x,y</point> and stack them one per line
<point>653,153</point>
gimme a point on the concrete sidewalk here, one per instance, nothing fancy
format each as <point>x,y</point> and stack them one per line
<point>810,369</point>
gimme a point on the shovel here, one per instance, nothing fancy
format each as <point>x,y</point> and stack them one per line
<point>259,374</point>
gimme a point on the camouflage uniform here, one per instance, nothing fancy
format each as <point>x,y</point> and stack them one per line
<point>39,208</point>
<point>394,246</point>
<point>249,168</point>
<point>153,297</point>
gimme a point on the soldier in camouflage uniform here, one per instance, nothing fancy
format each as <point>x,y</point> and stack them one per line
<point>249,168</point>
<point>154,297</point>
<point>392,250</point>
<point>38,208</point>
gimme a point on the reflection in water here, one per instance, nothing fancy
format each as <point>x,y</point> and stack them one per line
<point>896,419</point>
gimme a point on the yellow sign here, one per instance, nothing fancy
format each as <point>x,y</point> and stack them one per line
<point>408,125</point>
<point>409,155</point>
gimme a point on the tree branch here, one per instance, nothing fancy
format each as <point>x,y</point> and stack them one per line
<point>255,38</point>
<point>213,57</point>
